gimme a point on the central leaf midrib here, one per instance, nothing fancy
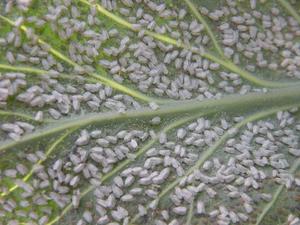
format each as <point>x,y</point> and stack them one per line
<point>234,103</point>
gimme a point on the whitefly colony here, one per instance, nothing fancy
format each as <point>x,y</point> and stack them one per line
<point>61,59</point>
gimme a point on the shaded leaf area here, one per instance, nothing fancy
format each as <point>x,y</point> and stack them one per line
<point>153,112</point>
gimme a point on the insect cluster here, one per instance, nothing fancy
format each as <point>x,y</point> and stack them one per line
<point>207,170</point>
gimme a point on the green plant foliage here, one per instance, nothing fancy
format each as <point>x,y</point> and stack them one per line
<point>149,112</point>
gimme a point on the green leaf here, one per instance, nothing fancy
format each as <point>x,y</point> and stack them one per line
<point>130,112</point>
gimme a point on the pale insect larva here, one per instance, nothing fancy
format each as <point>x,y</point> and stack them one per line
<point>136,191</point>
<point>12,222</point>
<point>26,187</point>
<point>13,128</point>
<point>124,11</point>
<point>81,222</point>
<point>151,193</point>
<point>145,181</point>
<point>10,37</point>
<point>180,210</point>
<point>102,142</point>
<point>100,210</point>
<point>162,138</point>
<point>248,208</point>
<point>58,165</point>
<point>174,222</point>
<point>10,57</point>
<point>43,220</point>
<point>4,93</point>
<point>87,215</point>
<point>31,157</point>
<point>200,208</point>
<point>118,181</point>
<point>295,152</point>
<point>142,210</point>
<point>181,133</point>
<point>54,113</point>
<point>95,181</point>
<point>19,213</point>
<point>153,106</point>
<point>63,189</point>
<point>74,181</point>
<point>111,201</point>
<point>127,198</point>
<point>160,222</point>
<point>93,170</point>
<point>83,139</point>
<point>103,220</point>
<point>119,214</point>
<point>211,192</point>
<point>41,155</point>
<point>117,191</point>
<point>214,213</point>
<point>78,168</point>
<point>26,126</point>
<point>129,180</point>
<point>66,179</point>
<point>96,133</point>
<point>2,42</point>
<point>133,144</point>
<point>156,120</point>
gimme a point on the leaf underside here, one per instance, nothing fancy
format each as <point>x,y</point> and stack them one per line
<point>149,112</point>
